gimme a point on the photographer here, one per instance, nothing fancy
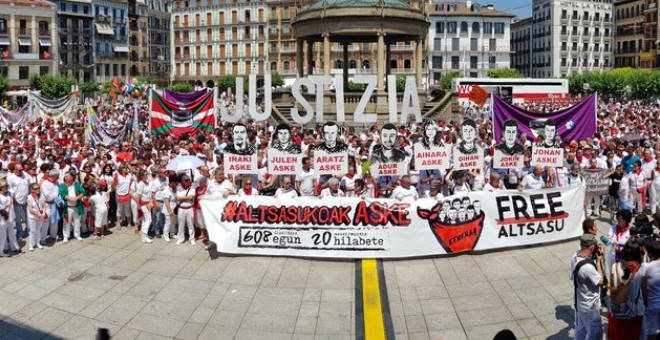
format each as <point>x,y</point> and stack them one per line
<point>587,276</point>
<point>618,236</point>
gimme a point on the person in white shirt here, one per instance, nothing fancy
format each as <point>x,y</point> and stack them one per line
<point>18,186</point>
<point>434,193</point>
<point>50,191</point>
<point>185,196</point>
<point>333,189</point>
<point>347,182</point>
<point>100,198</point>
<point>7,232</point>
<point>157,185</point>
<point>169,203</point>
<point>221,185</point>
<point>574,177</point>
<point>307,181</point>
<point>145,197</point>
<point>637,182</point>
<point>247,189</point>
<point>533,180</point>
<point>361,190</point>
<point>495,183</point>
<point>404,192</point>
<point>286,191</point>
<point>37,218</point>
<point>73,214</point>
<point>122,183</point>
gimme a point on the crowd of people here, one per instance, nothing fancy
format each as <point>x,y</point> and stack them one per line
<point>57,186</point>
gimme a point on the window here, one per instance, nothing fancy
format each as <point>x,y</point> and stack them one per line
<point>43,70</point>
<point>74,8</point>
<point>273,47</point>
<point>451,27</point>
<point>564,14</point>
<point>473,44</point>
<point>85,9</point>
<point>436,62</point>
<point>440,27</point>
<point>474,60</point>
<point>454,44</point>
<point>492,61</point>
<point>499,28</point>
<point>23,72</point>
<point>563,46</point>
<point>455,62</point>
<point>287,65</point>
<point>273,66</point>
<point>23,27</point>
<point>488,27</point>
<point>475,27</point>
<point>62,6</point>
<point>492,44</point>
<point>437,44</point>
<point>3,25</point>
<point>596,63</point>
<point>464,27</point>
<point>585,47</point>
<point>43,27</point>
<point>563,62</point>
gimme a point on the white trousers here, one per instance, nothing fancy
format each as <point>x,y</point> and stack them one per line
<point>72,219</point>
<point>12,243</point>
<point>185,217</point>
<point>654,198</point>
<point>134,210</point>
<point>146,220</point>
<point>100,218</point>
<point>36,226</point>
<point>169,221</point>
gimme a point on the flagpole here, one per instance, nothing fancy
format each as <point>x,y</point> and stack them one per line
<point>149,116</point>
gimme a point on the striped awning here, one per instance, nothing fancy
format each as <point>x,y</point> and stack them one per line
<point>45,42</point>
<point>24,42</point>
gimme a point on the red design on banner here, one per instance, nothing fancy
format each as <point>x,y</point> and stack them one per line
<point>454,238</point>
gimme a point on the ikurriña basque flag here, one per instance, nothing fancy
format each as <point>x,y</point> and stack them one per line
<point>177,118</point>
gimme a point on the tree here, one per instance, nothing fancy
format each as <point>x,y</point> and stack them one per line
<point>276,79</point>
<point>445,80</point>
<point>226,82</point>
<point>400,83</point>
<point>504,73</point>
<point>181,87</point>
<point>52,87</point>
<point>4,86</point>
<point>88,87</point>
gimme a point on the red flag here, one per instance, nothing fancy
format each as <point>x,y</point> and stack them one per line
<point>46,54</point>
<point>116,84</point>
<point>113,95</point>
<point>478,95</point>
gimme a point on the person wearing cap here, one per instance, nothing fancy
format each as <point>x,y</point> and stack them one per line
<point>587,276</point>
<point>50,191</point>
<point>72,193</point>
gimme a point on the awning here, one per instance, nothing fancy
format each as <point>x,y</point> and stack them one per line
<point>104,29</point>
<point>119,48</point>
<point>25,42</point>
<point>45,42</point>
<point>4,42</point>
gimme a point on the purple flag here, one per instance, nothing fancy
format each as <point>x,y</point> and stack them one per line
<point>577,122</point>
<point>184,98</point>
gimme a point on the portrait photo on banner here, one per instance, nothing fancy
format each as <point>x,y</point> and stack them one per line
<point>240,156</point>
<point>284,155</point>
<point>331,155</point>
<point>431,153</point>
<point>388,158</point>
<point>468,154</point>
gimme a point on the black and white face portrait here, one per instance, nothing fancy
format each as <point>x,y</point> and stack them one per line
<point>477,207</point>
<point>330,134</point>
<point>240,137</point>
<point>282,136</point>
<point>430,131</point>
<point>510,133</point>
<point>468,131</point>
<point>550,130</point>
<point>388,138</point>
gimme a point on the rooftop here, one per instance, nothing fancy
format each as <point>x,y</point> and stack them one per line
<point>463,9</point>
<point>30,3</point>
<point>358,3</point>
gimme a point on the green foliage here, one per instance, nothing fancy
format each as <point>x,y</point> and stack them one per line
<point>620,82</point>
<point>504,73</point>
<point>400,83</point>
<point>4,86</point>
<point>355,87</point>
<point>226,82</point>
<point>52,87</point>
<point>276,79</point>
<point>182,87</point>
<point>88,87</point>
<point>445,80</point>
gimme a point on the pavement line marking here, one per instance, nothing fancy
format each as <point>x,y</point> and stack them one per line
<point>374,325</point>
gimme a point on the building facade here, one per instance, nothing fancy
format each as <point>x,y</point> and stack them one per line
<point>213,38</point>
<point>570,37</point>
<point>521,42</point>
<point>75,38</point>
<point>629,37</point>
<point>138,38</point>
<point>468,38</point>
<point>110,39</point>
<point>28,33</point>
<point>159,41</point>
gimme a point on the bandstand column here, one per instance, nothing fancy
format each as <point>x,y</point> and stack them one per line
<point>388,57</point>
<point>300,68</point>
<point>380,51</point>
<point>326,53</point>
<point>310,57</point>
<point>418,61</point>
<point>345,65</point>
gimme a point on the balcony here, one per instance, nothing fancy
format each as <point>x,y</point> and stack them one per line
<point>650,7</point>
<point>401,48</point>
<point>26,56</point>
<point>287,50</point>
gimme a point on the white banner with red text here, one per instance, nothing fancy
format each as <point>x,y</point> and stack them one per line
<point>386,228</point>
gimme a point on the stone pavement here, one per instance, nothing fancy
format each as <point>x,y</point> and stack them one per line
<point>166,291</point>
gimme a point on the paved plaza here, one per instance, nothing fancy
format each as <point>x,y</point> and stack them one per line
<point>164,291</point>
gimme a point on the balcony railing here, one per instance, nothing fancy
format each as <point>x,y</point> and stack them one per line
<point>26,56</point>
<point>23,31</point>
<point>401,48</point>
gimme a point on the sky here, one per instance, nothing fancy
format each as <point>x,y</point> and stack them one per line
<point>521,8</point>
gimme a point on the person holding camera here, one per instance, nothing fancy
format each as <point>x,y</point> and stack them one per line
<point>587,276</point>
<point>618,236</point>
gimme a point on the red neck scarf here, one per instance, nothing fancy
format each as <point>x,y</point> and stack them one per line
<point>186,187</point>
<point>638,171</point>
<point>248,191</point>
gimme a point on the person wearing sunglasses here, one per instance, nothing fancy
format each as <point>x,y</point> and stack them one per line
<point>37,217</point>
<point>247,189</point>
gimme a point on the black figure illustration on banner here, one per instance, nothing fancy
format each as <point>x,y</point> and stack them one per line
<point>509,144</point>
<point>388,151</point>
<point>431,135</point>
<point>550,139</point>
<point>241,142</point>
<point>330,144</point>
<point>281,140</point>
<point>468,144</point>
<point>456,224</point>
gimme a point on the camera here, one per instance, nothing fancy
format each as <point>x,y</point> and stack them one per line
<point>4,214</point>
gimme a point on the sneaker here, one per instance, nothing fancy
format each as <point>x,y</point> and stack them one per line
<point>180,242</point>
<point>79,238</point>
<point>30,248</point>
<point>40,246</point>
<point>166,238</point>
<point>147,240</point>
<point>207,246</point>
<point>192,241</point>
<point>65,240</point>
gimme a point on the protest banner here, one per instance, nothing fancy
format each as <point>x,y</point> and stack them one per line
<point>340,227</point>
<point>431,158</point>
<point>552,157</point>
<point>596,184</point>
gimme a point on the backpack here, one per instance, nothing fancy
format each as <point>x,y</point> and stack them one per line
<point>575,278</point>
<point>621,306</point>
